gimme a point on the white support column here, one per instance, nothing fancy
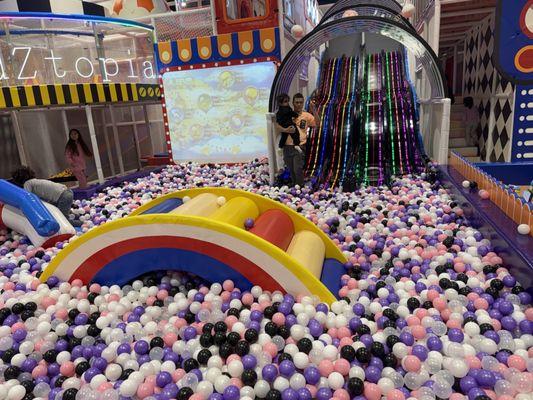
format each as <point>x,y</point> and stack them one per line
<point>108,144</point>
<point>436,27</point>
<point>65,122</point>
<point>149,129</point>
<point>272,157</point>
<point>94,143</point>
<point>136,137</point>
<point>152,22</point>
<point>117,141</point>
<point>18,137</point>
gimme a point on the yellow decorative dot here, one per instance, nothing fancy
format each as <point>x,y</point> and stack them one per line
<point>165,56</point>
<point>184,53</point>
<point>267,44</point>
<point>204,51</point>
<point>225,49</point>
<point>246,46</point>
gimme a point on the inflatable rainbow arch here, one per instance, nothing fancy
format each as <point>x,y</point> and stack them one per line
<point>203,231</point>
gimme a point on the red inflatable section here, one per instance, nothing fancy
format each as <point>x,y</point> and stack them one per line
<point>275,227</point>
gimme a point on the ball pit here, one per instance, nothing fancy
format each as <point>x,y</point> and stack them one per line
<point>427,310</point>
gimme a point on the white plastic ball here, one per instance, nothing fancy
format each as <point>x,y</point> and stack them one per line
<point>17,392</point>
<point>128,388</point>
<point>386,385</point>
<point>301,360</point>
<point>235,368</point>
<point>261,388</point>
<point>297,31</point>
<point>297,381</point>
<point>523,229</point>
<point>205,388</point>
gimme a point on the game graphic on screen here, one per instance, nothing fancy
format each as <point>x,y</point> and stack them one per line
<point>218,114</point>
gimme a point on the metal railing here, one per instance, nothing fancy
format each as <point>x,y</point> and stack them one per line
<point>183,24</point>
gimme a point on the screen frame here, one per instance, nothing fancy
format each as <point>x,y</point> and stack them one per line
<point>166,122</point>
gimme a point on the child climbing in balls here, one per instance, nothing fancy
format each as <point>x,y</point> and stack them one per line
<point>51,192</point>
<point>285,117</point>
<point>471,119</point>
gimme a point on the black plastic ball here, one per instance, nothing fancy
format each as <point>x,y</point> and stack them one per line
<point>363,355</point>
<point>70,394</point>
<point>190,364</point>
<point>249,377</point>
<point>355,387</point>
<point>203,356</point>
<point>348,353</point>
<point>304,345</point>
<point>184,393</point>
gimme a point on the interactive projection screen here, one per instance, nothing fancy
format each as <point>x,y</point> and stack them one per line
<point>218,114</point>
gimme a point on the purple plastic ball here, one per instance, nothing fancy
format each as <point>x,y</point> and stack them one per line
<point>270,372</point>
<point>231,392</point>
<point>286,368</point>
<point>456,335</point>
<point>289,394</point>
<point>324,394</point>
<point>312,375</point>
<point>163,379</point>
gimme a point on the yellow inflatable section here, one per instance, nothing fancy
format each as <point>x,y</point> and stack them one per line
<point>262,203</point>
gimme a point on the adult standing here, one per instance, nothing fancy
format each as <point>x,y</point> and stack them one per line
<point>294,159</point>
<point>75,152</point>
<point>305,119</point>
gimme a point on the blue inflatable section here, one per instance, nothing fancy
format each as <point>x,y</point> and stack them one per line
<point>164,207</point>
<point>31,206</point>
<point>132,265</point>
<point>332,271</point>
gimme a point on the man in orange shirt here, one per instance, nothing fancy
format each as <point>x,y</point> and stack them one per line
<point>294,159</point>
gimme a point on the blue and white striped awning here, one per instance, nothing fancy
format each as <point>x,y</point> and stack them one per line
<point>78,7</point>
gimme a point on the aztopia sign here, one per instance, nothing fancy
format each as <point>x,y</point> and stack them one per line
<point>47,66</point>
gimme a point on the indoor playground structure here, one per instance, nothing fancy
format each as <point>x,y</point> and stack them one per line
<point>372,126</point>
<point>214,233</point>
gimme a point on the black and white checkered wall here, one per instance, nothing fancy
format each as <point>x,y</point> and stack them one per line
<point>494,96</point>
<point>470,62</point>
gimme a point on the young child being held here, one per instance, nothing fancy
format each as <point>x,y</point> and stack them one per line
<point>285,117</point>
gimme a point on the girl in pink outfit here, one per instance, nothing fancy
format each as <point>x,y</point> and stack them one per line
<point>75,151</point>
